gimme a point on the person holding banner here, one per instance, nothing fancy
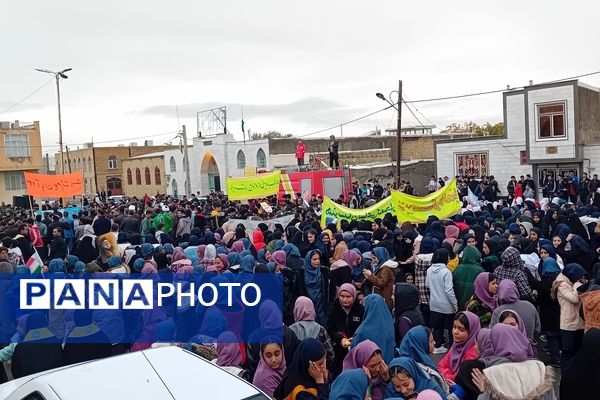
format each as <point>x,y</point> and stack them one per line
<point>23,242</point>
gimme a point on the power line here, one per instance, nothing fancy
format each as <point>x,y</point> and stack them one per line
<point>27,97</point>
<point>440,99</point>
<point>418,111</point>
<point>413,114</point>
<point>112,141</point>
<point>344,123</point>
<point>460,96</point>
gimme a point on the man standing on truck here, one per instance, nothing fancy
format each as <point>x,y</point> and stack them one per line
<point>300,151</point>
<point>333,152</point>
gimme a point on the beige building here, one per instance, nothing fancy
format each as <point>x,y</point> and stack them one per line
<point>20,150</point>
<point>102,167</point>
<point>144,174</point>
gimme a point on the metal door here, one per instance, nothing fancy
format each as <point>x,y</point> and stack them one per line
<point>333,186</point>
<point>556,170</point>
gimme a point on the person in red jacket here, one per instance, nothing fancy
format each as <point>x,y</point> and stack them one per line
<point>300,151</point>
<point>464,332</point>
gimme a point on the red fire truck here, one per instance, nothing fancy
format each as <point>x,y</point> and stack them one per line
<point>331,183</point>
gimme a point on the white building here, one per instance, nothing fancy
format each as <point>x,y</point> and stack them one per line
<point>547,128</point>
<point>212,160</point>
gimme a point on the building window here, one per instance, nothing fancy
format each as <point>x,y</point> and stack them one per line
<point>472,164</point>
<point>241,160</point>
<point>172,164</point>
<point>129,177</point>
<point>114,184</point>
<point>551,120</point>
<point>112,162</point>
<point>90,164</point>
<point>138,177</point>
<point>184,163</point>
<point>174,187</point>
<point>523,157</point>
<point>14,180</point>
<point>261,159</point>
<point>147,176</point>
<point>16,145</point>
<point>157,178</point>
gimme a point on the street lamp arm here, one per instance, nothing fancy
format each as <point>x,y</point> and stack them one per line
<point>47,71</point>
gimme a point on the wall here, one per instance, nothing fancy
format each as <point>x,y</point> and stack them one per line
<point>351,157</point>
<point>80,160</point>
<point>179,174</point>
<point>33,163</point>
<point>413,148</point>
<point>142,163</point>
<point>417,173</point>
<point>566,145</point>
<point>97,177</point>
<point>503,153</point>
<point>589,114</point>
<point>224,149</point>
<point>591,159</point>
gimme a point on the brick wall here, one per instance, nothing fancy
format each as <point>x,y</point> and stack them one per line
<point>351,157</point>
<point>413,148</point>
<point>417,174</point>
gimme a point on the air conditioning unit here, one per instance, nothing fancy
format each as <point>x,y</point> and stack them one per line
<point>148,143</point>
<point>88,145</point>
<point>133,144</point>
<point>121,145</point>
<point>4,125</point>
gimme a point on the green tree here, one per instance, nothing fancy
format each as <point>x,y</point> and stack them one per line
<point>270,135</point>
<point>474,129</point>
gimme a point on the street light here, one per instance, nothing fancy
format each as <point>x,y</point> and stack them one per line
<point>398,108</point>
<point>58,75</point>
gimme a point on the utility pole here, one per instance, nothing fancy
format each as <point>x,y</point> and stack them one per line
<point>57,76</point>
<point>60,141</point>
<point>188,183</point>
<point>399,134</point>
<point>225,119</point>
<point>68,159</point>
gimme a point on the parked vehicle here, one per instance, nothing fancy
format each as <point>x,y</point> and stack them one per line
<point>161,373</point>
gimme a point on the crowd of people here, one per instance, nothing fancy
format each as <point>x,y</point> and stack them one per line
<point>500,301</point>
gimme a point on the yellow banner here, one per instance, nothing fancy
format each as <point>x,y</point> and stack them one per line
<point>443,204</point>
<point>253,187</point>
<point>332,210</point>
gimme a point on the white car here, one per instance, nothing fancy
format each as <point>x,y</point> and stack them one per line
<point>161,373</point>
<point>116,198</point>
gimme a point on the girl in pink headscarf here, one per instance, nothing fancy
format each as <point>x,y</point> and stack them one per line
<point>368,354</point>
<point>306,327</point>
<point>345,316</point>
<point>271,367</point>
<point>229,354</point>
<point>484,300</point>
<point>341,270</point>
<point>179,260</point>
<point>464,333</point>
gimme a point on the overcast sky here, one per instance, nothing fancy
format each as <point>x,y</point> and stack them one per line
<point>295,67</point>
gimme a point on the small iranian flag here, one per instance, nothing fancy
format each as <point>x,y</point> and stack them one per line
<point>35,263</point>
